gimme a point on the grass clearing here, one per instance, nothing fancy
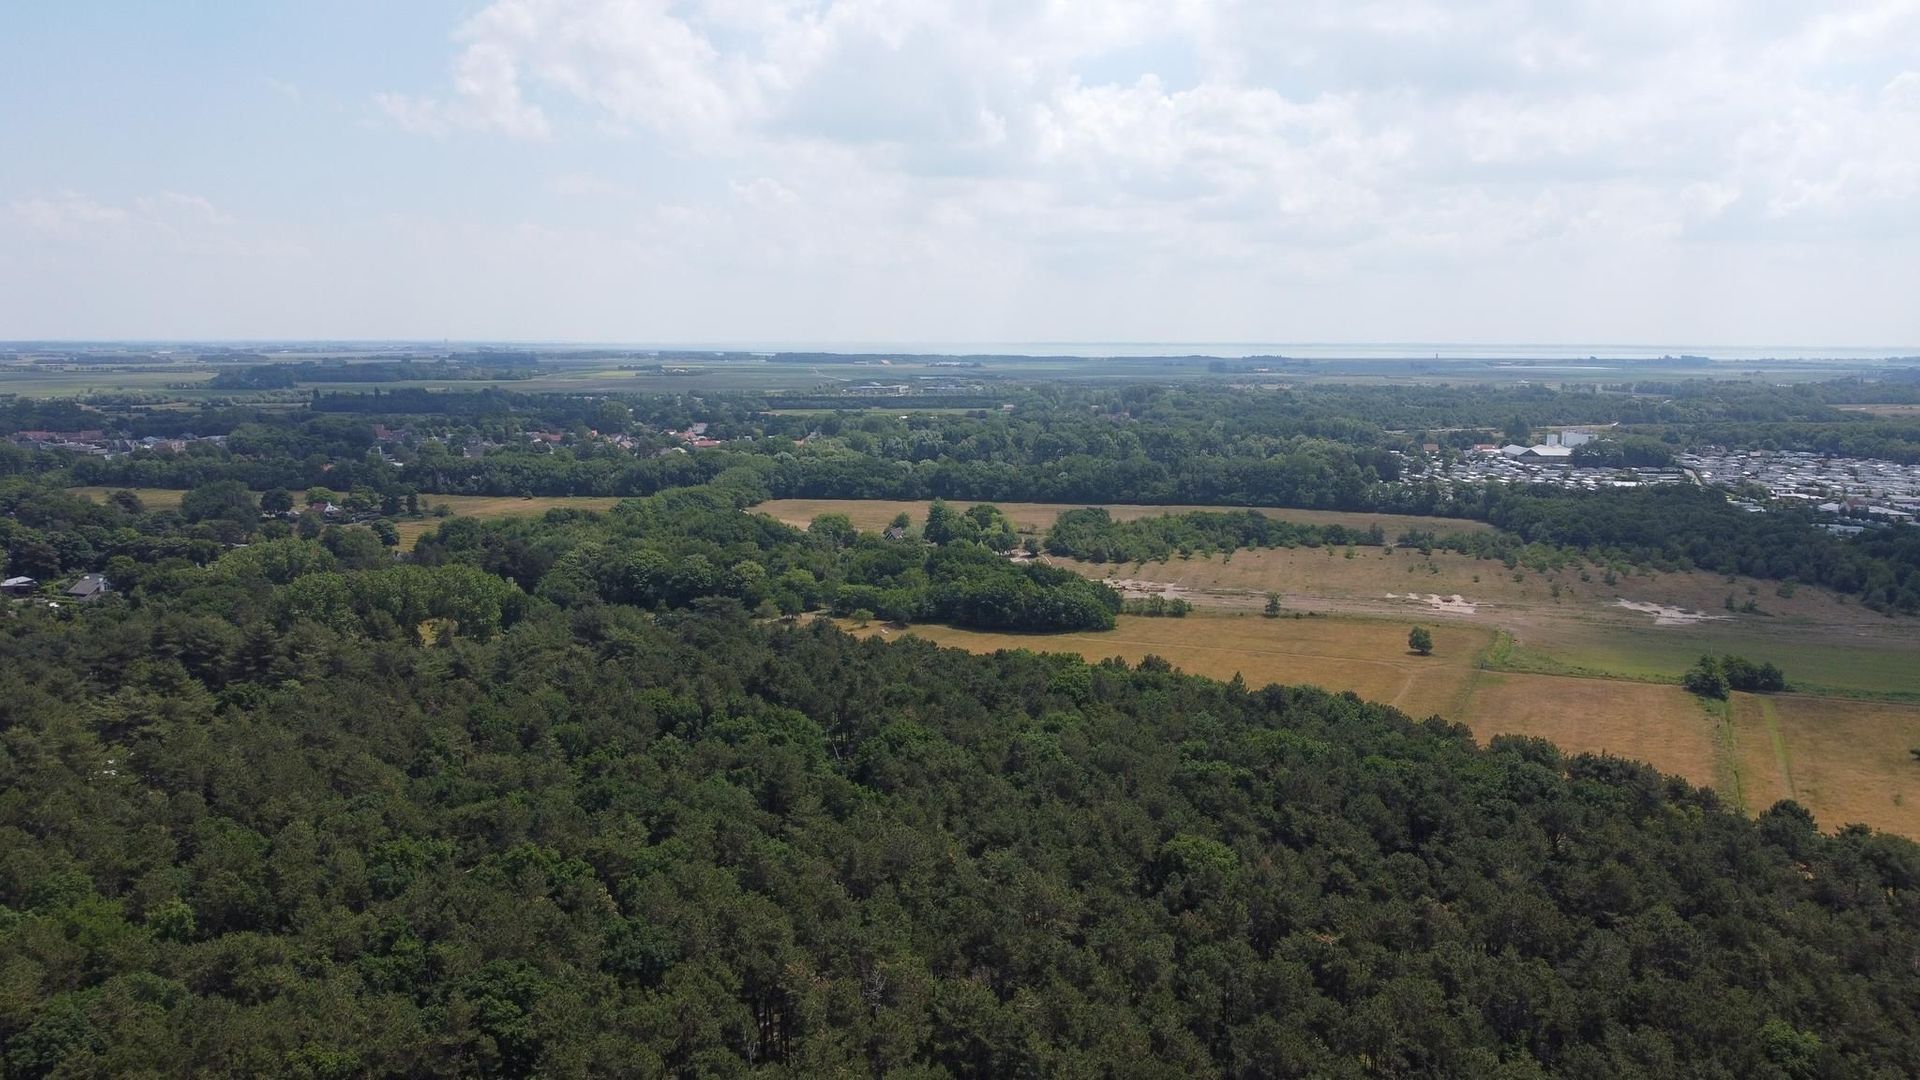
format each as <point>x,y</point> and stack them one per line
<point>1368,656</point>
<point>1563,625</point>
<point>492,507</point>
<point>874,514</point>
<point>151,498</point>
<point>1372,573</point>
<point>1662,725</point>
<point>1824,658</point>
<point>1847,761</point>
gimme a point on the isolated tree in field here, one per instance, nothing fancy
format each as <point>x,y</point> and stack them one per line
<point>1273,606</point>
<point>1420,641</point>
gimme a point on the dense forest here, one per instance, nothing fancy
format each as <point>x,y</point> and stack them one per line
<point>607,843</point>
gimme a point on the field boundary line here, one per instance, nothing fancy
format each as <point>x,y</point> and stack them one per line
<point>1779,741</point>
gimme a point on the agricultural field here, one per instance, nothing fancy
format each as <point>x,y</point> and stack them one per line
<point>874,514</point>
<point>1846,761</point>
<point>54,382</point>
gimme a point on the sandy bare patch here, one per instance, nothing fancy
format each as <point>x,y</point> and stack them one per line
<point>1665,614</point>
<point>1132,589</point>
<point>1451,605</point>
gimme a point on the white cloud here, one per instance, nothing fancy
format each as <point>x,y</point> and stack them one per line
<point>1213,168</point>
<point>164,223</point>
<point>65,212</point>
<point>487,95</point>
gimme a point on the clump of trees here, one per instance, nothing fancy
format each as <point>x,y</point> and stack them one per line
<point>1717,676</point>
<point>1624,452</point>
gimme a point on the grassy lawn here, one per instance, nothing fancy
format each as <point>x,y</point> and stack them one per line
<point>1827,659</point>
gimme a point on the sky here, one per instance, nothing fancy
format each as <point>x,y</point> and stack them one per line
<point>792,171</point>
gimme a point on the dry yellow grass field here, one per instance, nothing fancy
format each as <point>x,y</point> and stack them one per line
<point>1367,656</point>
<point>1847,761</point>
<point>874,514</point>
<point>1663,726</point>
<point>151,498</point>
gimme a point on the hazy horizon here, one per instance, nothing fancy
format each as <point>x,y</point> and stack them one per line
<point>1355,350</point>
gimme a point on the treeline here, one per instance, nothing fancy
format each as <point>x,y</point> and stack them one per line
<point>603,843</point>
<point>1683,527</point>
<point>1865,437</point>
<point>1094,535</point>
